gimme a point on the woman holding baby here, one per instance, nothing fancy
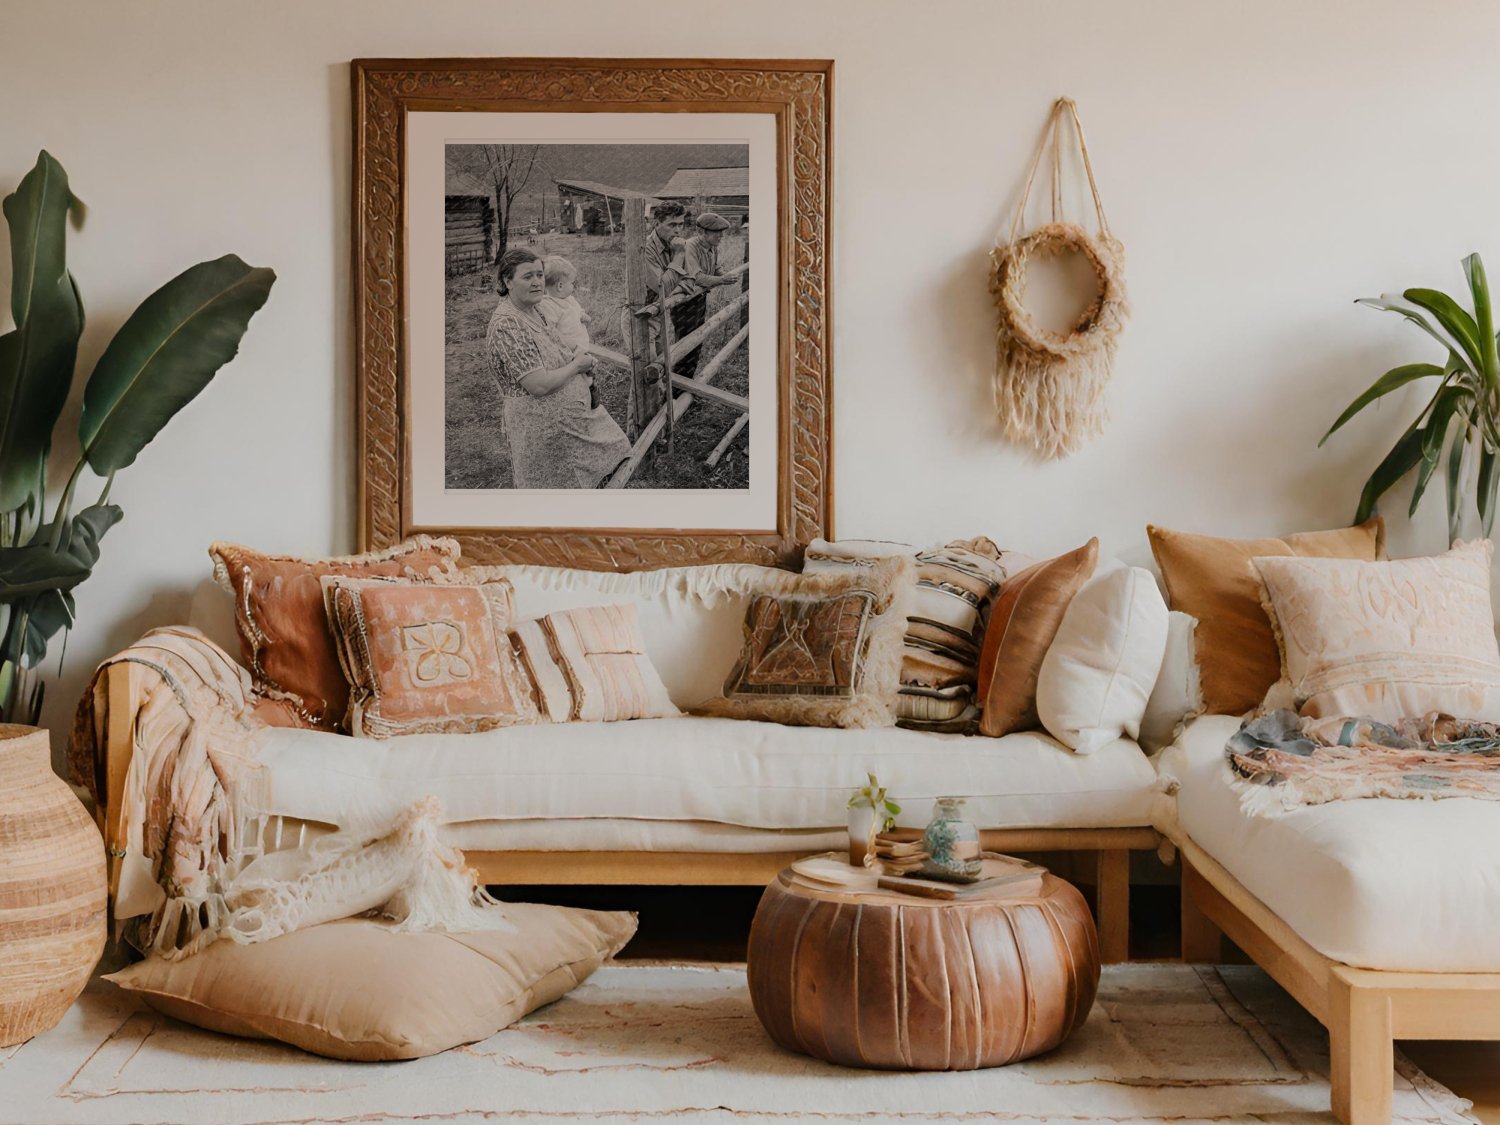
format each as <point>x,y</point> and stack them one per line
<point>558,438</point>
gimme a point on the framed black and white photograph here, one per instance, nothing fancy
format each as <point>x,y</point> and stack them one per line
<point>592,298</point>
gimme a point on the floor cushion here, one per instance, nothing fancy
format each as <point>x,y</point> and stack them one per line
<point>1376,883</point>
<point>355,989</point>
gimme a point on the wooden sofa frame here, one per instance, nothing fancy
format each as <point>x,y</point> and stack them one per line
<point>1364,1010</point>
<point>1111,846</point>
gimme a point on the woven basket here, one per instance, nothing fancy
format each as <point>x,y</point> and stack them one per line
<point>52,889</point>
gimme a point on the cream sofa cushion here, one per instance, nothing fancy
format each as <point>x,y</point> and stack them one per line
<point>1178,695</point>
<point>1099,670</point>
<point>356,990</point>
<point>1389,640</point>
<point>729,771</point>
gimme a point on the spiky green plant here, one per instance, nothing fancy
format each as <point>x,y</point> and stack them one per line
<point>1457,427</point>
<point>163,355</point>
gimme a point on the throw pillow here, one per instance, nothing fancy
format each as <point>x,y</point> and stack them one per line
<point>956,584</point>
<point>590,665</point>
<point>1388,640</point>
<point>823,649</point>
<point>1099,670</point>
<point>423,657</point>
<point>285,640</point>
<point>355,990</point>
<point>1026,617</point>
<point>1213,580</point>
<point>1177,695</point>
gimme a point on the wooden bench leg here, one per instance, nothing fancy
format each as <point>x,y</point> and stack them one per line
<point>1361,1052</point>
<point>1202,941</point>
<point>1112,885</point>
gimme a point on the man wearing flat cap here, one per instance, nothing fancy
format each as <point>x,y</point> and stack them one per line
<point>702,273</point>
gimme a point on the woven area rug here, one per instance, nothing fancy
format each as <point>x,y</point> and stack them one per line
<point>641,1042</point>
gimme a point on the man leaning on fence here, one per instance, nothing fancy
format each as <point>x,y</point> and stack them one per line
<point>701,266</point>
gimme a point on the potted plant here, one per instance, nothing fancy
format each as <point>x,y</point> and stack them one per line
<point>870,811</point>
<point>162,356</point>
<point>1457,427</point>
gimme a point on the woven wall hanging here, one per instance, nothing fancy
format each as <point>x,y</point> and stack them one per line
<point>1049,386</point>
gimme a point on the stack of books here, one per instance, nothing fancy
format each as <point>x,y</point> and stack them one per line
<point>899,857</point>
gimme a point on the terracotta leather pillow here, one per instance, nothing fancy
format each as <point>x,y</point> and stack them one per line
<point>1214,580</point>
<point>1023,622</point>
<point>285,640</point>
<point>427,657</point>
<point>357,990</point>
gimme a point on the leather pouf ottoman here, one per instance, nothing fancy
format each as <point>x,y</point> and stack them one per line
<point>889,980</point>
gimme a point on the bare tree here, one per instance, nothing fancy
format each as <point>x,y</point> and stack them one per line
<point>509,168</point>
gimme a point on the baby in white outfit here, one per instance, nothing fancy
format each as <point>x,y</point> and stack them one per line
<point>560,307</point>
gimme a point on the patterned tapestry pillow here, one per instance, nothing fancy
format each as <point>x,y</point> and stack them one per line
<point>956,584</point>
<point>1022,626</point>
<point>424,657</point>
<point>1214,580</point>
<point>284,634</point>
<point>1388,640</point>
<point>590,665</point>
<point>823,649</point>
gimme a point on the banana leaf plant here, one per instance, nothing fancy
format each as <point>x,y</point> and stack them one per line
<point>1457,427</point>
<point>164,354</point>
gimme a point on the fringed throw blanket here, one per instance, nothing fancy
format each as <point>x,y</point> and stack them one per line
<point>1281,761</point>
<point>191,840</point>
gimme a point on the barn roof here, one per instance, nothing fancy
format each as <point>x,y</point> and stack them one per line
<point>594,188</point>
<point>458,182</point>
<point>710,183</point>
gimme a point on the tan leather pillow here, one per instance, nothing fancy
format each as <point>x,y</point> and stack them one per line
<point>285,640</point>
<point>427,657</point>
<point>1023,622</point>
<point>1214,580</point>
<point>356,990</point>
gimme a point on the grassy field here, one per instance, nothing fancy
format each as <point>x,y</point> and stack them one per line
<point>477,456</point>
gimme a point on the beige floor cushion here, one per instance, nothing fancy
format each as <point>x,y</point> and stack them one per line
<point>357,990</point>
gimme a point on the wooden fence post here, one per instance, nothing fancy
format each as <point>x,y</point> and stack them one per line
<point>638,341</point>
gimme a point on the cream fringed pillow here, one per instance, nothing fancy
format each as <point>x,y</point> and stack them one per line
<point>823,650</point>
<point>590,665</point>
<point>427,657</point>
<point>1390,640</point>
<point>356,990</point>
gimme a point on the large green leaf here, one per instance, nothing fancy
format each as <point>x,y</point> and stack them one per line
<point>35,568</point>
<point>37,356</point>
<point>1484,317</point>
<point>1455,321</point>
<point>1488,480</point>
<point>1402,458</point>
<point>1393,379</point>
<point>1455,473</point>
<point>164,355</point>
<point>1393,302</point>
<point>1448,402</point>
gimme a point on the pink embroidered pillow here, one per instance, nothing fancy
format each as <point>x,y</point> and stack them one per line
<point>427,657</point>
<point>590,665</point>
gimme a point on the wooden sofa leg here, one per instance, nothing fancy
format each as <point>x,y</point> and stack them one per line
<point>1112,885</point>
<point>1202,941</point>
<point>1361,1052</point>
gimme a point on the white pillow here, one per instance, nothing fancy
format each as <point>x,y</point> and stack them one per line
<point>1098,674</point>
<point>1178,694</point>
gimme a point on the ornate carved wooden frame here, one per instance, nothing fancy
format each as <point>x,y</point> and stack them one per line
<point>797,92</point>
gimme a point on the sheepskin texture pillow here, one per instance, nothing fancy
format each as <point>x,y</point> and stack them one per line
<point>1026,617</point>
<point>1388,640</point>
<point>427,658</point>
<point>1214,580</point>
<point>956,584</point>
<point>1177,695</point>
<point>285,639</point>
<point>356,990</point>
<point>590,665</point>
<point>1100,668</point>
<point>823,650</point>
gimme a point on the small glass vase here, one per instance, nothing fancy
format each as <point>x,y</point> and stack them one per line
<point>951,843</point>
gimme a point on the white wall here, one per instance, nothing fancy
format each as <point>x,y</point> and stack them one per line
<point>1264,164</point>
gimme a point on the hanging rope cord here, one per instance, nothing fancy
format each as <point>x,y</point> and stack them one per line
<point>1049,386</point>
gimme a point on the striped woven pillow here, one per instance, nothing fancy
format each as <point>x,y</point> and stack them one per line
<point>956,584</point>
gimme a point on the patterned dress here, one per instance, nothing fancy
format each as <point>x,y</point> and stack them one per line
<point>557,440</point>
